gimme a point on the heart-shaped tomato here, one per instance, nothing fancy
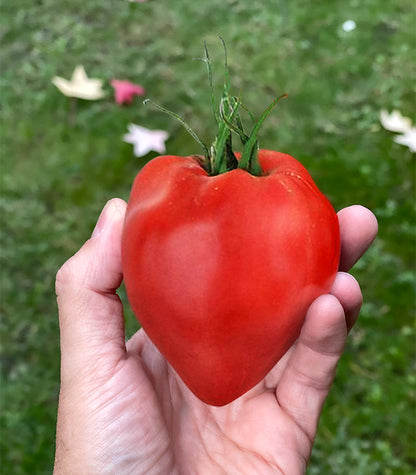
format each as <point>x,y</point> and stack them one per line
<point>220,270</point>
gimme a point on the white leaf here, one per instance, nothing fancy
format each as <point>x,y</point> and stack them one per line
<point>408,139</point>
<point>349,25</point>
<point>145,140</point>
<point>395,122</point>
<point>80,85</point>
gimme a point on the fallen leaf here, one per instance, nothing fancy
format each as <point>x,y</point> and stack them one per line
<point>349,25</point>
<point>395,122</point>
<point>408,139</point>
<point>80,85</point>
<point>125,90</point>
<point>145,140</point>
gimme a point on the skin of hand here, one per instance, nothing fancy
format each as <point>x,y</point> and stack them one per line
<point>123,410</point>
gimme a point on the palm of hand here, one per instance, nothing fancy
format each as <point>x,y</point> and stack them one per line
<point>161,427</point>
<point>123,410</point>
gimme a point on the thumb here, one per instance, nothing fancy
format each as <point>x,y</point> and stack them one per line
<point>90,313</point>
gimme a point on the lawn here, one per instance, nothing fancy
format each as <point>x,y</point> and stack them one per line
<point>57,172</point>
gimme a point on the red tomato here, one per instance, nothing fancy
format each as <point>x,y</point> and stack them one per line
<point>220,270</point>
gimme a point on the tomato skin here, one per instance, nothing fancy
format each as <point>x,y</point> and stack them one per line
<point>220,270</point>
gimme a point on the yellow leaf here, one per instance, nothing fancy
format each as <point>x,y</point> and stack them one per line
<point>80,85</point>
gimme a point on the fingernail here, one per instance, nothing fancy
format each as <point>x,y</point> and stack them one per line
<point>104,219</point>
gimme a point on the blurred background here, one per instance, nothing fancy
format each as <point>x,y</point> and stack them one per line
<point>341,63</point>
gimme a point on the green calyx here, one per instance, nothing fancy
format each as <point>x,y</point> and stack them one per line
<point>219,157</point>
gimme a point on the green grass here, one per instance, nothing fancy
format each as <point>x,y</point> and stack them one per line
<point>55,178</point>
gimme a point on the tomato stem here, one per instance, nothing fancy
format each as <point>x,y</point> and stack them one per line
<point>182,121</point>
<point>220,158</point>
<point>207,61</point>
<point>249,159</point>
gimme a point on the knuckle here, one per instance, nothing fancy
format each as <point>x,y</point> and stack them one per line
<point>64,276</point>
<point>75,269</point>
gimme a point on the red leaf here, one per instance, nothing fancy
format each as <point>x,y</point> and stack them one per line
<point>125,90</point>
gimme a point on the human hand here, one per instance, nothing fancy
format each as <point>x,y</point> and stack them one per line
<point>123,410</point>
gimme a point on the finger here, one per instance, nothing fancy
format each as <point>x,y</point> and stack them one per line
<point>358,228</point>
<point>90,313</point>
<point>347,290</point>
<point>310,370</point>
<point>136,343</point>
